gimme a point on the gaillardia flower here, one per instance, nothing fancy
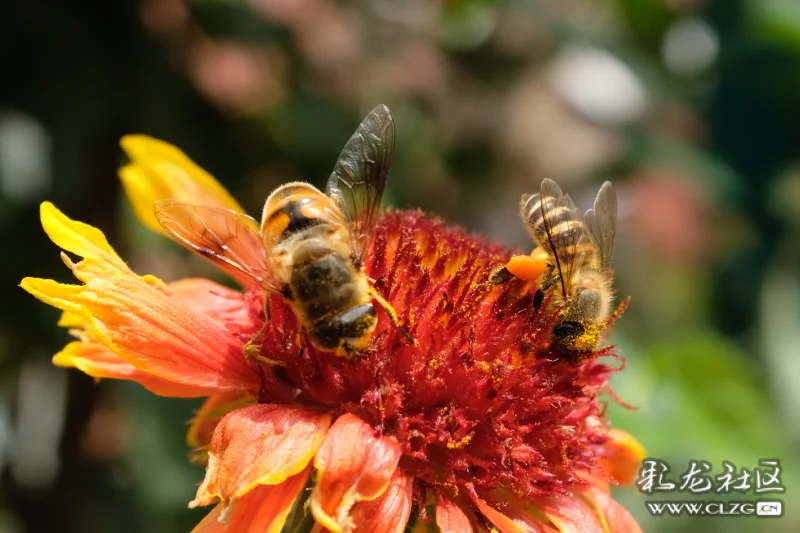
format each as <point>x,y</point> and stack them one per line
<point>473,427</point>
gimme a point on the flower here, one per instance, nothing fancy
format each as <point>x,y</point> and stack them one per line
<point>477,424</point>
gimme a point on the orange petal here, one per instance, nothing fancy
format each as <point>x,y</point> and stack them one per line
<point>97,361</point>
<point>220,303</point>
<point>211,412</point>
<point>262,510</point>
<point>152,331</point>
<point>354,464</point>
<point>526,267</point>
<point>624,457</point>
<point>570,514</point>
<point>136,317</point>
<point>613,516</point>
<point>389,512</point>
<point>159,170</point>
<point>513,519</point>
<point>450,516</point>
<point>259,445</point>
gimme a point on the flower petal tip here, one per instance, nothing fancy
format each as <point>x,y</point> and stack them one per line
<point>262,444</point>
<point>624,457</point>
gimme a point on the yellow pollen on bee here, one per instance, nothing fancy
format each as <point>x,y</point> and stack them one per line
<point>587,341</point>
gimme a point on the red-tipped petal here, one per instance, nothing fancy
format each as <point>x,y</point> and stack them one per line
<point>259,445</point>
<point>614,517</point>
<point>262,510</point>
<point>451,517</point>
<point>354,465</point>
<point>513,519</point>
<point>388,513</point>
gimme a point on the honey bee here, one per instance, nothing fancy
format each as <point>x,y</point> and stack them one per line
<point>577,253</point>
<point>310,246</point>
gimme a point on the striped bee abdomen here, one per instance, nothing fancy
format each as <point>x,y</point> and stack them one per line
<point>558,228</point>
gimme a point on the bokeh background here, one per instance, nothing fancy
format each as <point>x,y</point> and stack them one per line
<point>691,107</point>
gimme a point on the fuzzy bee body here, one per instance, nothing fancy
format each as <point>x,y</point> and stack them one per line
<point>578,251</point>
<point>313,259</point>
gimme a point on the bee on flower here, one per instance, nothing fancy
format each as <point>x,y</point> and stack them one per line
<point>572,262</point>
<point>310,246</point>
<point>473,424</point>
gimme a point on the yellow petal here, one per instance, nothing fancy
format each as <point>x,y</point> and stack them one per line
<point>59,295</point>
<point>159,170</point>
<point>72,321</point>
<point>77,237</point>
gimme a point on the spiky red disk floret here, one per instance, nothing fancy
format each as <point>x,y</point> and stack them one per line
<point>478,402</point>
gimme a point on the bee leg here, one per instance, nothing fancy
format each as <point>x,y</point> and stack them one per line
<point>392,315</point>
<point>499,276</point>
<point>252,350</point>
<point>538,299</point>
<point>550,282</point>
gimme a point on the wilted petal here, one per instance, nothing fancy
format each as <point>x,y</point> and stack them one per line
<point>354,464</point>
<point>513,519</point>
<point>389,512</point>
<point>262,510</point>
<point>99,362</point>
<point>259,445</point>
<point>623,457</point>
<point>158,171</point>
<point>451,517</point>
<point>613,516</point>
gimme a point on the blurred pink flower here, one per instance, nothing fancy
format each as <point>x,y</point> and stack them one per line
<point>236,76</point>
<point>670,212</point>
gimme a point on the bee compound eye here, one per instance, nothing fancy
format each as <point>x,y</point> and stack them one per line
<point>567,329</point>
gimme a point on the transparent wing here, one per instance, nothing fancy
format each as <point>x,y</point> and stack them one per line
<point>563,231</point>
<point>224,237</point>
<point>602,223</point>
<point>359,178</point>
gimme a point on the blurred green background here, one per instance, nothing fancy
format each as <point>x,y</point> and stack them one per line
<point>691,107</point>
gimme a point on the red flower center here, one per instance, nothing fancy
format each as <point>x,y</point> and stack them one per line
<point>479,401</point>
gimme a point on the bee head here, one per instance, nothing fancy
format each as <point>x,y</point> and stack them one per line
<point>573,337</point>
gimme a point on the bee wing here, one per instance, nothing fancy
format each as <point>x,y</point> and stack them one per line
<point>602,223</point>
<point>563,231</point>
<point>359,178</point>
<point>224,237</point>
